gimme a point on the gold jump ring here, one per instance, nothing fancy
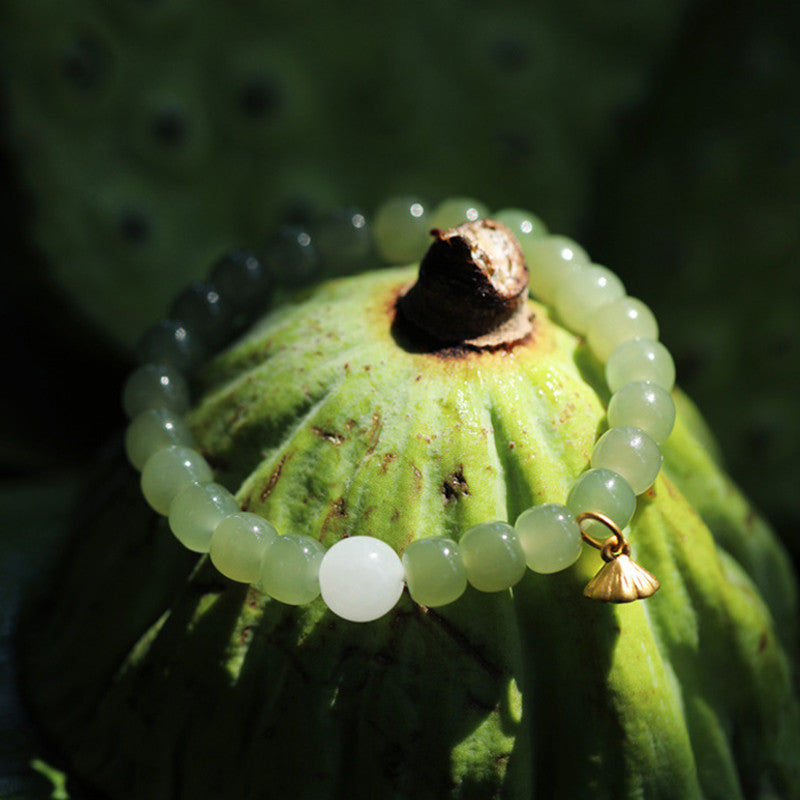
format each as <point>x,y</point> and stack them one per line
<point>615,544</point>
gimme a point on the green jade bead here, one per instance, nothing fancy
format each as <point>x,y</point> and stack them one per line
<point>292,254</point>
<point>526,227</point>
<point>290,568</point>
<point>238,544</point>
<point>197,510</point>
<point>170,470</point>
<point>153,430</point>
<point>643,405</point>
<point>243,282</point>
<point>493,557</point>
<point>402,230</point>
<point>155,386</point>
<point>344,242</point>
<point>606,492</point>
<point>550,537</point>
<point>549,260</point>
<point>434,570</point>
<point>616,322</point>
<point>170,342</point>
<point>582,291</point>
<point>457,210</point>
<point>201,308</point>
<point>640,360</point>
<point>629,452</point>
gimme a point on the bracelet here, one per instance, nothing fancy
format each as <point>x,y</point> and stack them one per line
<point>361,578</point>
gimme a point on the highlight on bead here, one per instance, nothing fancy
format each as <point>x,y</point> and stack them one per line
<point>361,578</point>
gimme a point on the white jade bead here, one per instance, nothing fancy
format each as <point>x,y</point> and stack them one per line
<point>361,578</point>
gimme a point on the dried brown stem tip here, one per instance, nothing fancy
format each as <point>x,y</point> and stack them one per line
<point>472,287</point>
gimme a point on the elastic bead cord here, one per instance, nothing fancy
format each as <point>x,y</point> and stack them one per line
<point>361,578</point>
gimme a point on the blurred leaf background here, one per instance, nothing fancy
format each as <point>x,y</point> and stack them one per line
<point>141,138</point>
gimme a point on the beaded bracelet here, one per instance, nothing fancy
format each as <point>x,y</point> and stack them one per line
<point>361,578</point>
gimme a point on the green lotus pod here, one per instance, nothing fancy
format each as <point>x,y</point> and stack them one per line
<point>150,137</point>
<point>159,678</point>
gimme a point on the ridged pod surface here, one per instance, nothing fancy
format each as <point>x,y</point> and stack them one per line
<point>159,678</point>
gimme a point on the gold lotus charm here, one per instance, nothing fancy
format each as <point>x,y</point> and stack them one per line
<point>620,580</point>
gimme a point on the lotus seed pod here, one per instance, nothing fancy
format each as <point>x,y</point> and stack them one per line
<point>246,116</point>
<point>343,417</point>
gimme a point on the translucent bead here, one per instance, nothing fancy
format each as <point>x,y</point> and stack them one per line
<point>155,386</point>
<point>290,568</point>
<point>493,557</point>
<point>402,230</point>
<point>435,571</point>
<point>549,259</point>
<point>292,256</point>
<point>629,452</point>
<point>582,291</point>
<point>197,510</point>
<point>640,360</point>
<point>204,312</point>
<point>344,241</point>
<point>238,545</point>
<point>525,226</point>
<point>603,491</point>
<point>243,282</point>
<point>616,322</point>
<point>456,210</point>
<point>361,578</point>
<point>643,405</point>
<point>550,537</point>
<point>152,430</point>
<point>169,342</point>
<point>168,471</point>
